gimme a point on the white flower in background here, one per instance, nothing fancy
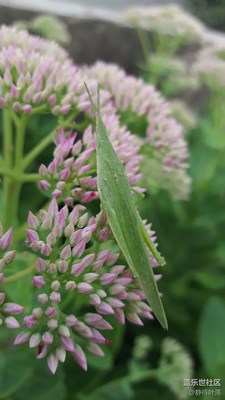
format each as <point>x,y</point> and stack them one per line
<point>169,20</point>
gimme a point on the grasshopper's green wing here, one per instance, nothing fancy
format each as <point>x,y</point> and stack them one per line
<point>115,195</point>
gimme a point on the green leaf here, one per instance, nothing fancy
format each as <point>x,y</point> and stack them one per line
<point>115,195</point>
<point>211,337</point>
<point>21,290</point>
<point>15,370</point>
<point>43,385</point>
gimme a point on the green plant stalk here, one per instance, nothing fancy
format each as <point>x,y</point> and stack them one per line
<point>13,186</point>
<point>19,275</point>
<point>45,142</point>
<point>130,379</point>
<point>7,161</point>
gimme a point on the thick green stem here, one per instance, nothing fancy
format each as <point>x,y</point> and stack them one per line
<point>12,179</point>
<point>19,275</point>
<point>37,150</point>
<point>7,162</point>
<point>7,138</point>
<point>20,137</point>
<point>46,142</point>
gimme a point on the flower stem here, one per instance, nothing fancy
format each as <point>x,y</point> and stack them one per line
<point>20,136</point>
<point>37,150</point>
<point>19,275</point>
<point>133,378</point>
<point>12,179</point>
<point>46,141</point>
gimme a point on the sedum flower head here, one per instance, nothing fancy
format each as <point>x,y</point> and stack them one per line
<point>141,107</point>
<point>183,114</point>
<point>72,173</point>
<point>35,72</point>
<point>175,366</point>
<point>169,20</point>
<point>8,311</point>
<point>210,64</point>
<point>47,26</point>
<point>73,257</point>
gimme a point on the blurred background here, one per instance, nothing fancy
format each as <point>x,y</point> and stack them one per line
<point>187,64</point>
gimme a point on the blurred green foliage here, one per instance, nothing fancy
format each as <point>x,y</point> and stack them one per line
<point>191,236</point>
<point>210,12</point>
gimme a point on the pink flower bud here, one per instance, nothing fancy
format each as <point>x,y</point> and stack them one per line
<point>52,324</point>
<point>53,207</point>
<point>23,337</point>
<point>88,260</point>
<point>44,185</point>
<point>52,363</point>
<point>115,303</point>
<point>9,256</point>
<point>84,288</point>
<point>90,277</point>
<point>38,281</point>
<point>61,354</point>
<point>55,285</point>
<point>46,250</point>
<point>71,320</point>
<point>32,235</point>
<point>105,308</point>
<point>134,318</point>
<point>79,249</point>
<point>94,299</point>
<point>6,239</point>
<point>51,312</point>
<point>95,349</point>
<point>32,221</point>
<point>42,351</point>
<point>67,343</point>
<point>70,286</point>
<point>37,312</point>
<point>13,308</point>
<point>69,230</point>
<point>11,323</point>
<point>43,170</point>
<point>66,252</point>
<point>107,278</point>
<point>35,340</point>
<point>120,316</point>
<point>103,255</point>
<point>43,298</point>
<point>64,330</point>
<point>80,358</point>
<point>62,266</point>
<point>2,298</point>
<point>76,237</point>
<point>64,174</point>
<point>47,338</point>
<point>77,269</point>
<point>55,297</point>
<point>27,108</point>
<point>103,234</point>
<point>51,239</point>
<point>2,277</point>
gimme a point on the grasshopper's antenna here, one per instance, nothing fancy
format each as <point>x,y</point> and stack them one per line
<point>95,109</point>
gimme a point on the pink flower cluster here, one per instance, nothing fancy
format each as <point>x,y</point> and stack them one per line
<point>137,100</point>
<point>72,173</point>
<point>8,310</point>
<point>36,72</point>
<point>38,76</point>
<point>71,262</point>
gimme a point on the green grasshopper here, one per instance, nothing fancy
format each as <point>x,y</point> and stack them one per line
<point>123,217</point>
